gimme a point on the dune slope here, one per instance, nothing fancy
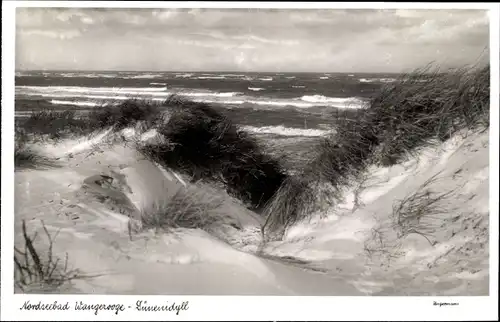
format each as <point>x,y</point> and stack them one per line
<point>93,195</point>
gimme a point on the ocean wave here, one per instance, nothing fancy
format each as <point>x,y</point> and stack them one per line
<point>298,86</point>
<point>228,102</point>
<point>143,76</point>
<point>290,77</point>
<point>324,77</point>
<point>349,102</point>
<point>120,75</point>
<point>103,93</point>
<point>257,102</point>
<point>76,103</point>
<point>157,83</point>
<point>283,103</point>
<point>325,99</point>
<point>210,77</point>
<point>233,75</point>
<point>79,89</point>
<point>377,80</point>
<point>86,75</point>
<point>201,94</point>
<point>284,131</point>
<point>161,98</point>
<point>99,100</point>
<point>96,97</point>
<point>183,75</point>
<point>266,79</point>
<point>75,93</point>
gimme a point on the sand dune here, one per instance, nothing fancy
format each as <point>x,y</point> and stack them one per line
<point>352,249</point>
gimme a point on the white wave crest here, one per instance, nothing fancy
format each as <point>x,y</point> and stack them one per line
<point>118,93</point>
<point>228,102</point>
<point>282,103</point>
<point>377,80</point>
<point>83,75</point>
<point>76,103</point>
<point>183,75</point>
<point>210,77</point>
<point>195,94</point>
<point>79,89</point>
<point>256,89</point>
<point>285,103</point>
<point>94,97</point>
<point>344,102</point>
<point>233,75</point>
<point>144,76</point>
<point>157,83</point>
<point>256,102</point>
<point>284,131</point>
<point>266,79</point>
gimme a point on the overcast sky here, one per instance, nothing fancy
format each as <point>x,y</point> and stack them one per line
<point>277,40</point>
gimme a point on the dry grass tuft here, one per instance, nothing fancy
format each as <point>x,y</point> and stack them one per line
<point>186,209</point>
<point>26,157</point>
<point>33,270</point>
<point>419,212</point>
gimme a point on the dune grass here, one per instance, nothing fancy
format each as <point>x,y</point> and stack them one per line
<point>417,212</point>
<point>186,209</point>
<point>25,157</point>
<point>36,272</point>
<point>428,106</point>
<point>54,124</point>
<point>206,145</point>
<point>124,114</point>
<point>421,213</point>
<point>421,108</point>
<point>58,124</point>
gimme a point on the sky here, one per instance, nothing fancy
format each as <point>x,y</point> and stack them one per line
<point>274,40</point>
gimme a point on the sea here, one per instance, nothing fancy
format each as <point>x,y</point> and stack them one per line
<point>283,110</point>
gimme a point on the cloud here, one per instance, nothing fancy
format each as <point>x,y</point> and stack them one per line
<point>248,39</point>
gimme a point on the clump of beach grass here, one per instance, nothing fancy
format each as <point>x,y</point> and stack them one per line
<point>25,157</point>
<point>54,124</point>
<point>35,271</point>
<point>192,209</point>
<point>125,114</point>
<point>419,212</point>
<point>205,145</point>
<point>427,107</point>
<point>58,124</point>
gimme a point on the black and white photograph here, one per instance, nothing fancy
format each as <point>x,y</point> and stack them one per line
<point>251,151</point>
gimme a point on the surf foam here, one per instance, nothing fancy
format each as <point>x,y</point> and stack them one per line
<point>375,80</point>
<point>284,131</point>
<point>76,103</point>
